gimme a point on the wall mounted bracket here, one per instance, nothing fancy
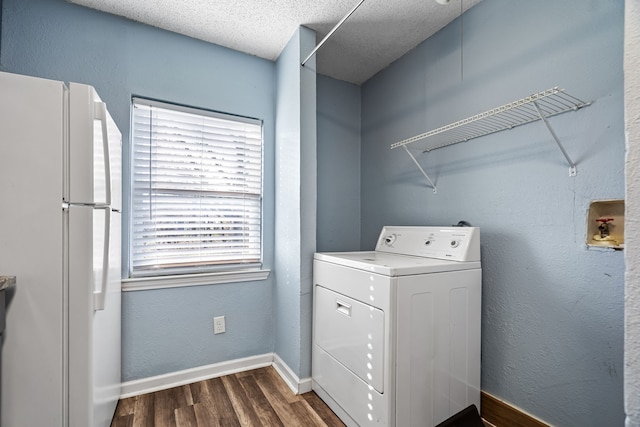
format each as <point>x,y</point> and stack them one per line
<point>572,166</point>
<point>435,190</point>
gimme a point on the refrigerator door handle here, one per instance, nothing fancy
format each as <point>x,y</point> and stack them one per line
<point>100,294</point>
<point>100,113</point>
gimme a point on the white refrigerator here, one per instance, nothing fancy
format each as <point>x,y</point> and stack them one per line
<point>60,199</point>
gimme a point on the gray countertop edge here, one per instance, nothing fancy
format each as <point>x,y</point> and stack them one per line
<point>6,281</point>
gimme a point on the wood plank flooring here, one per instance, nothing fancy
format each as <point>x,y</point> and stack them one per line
<point>502,413</point>
<point>246,399</point>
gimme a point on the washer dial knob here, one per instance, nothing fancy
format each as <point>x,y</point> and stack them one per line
<point>455,243</point>
<point>388,240</point>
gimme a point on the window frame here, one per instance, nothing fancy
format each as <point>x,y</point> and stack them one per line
<point>194,275</point>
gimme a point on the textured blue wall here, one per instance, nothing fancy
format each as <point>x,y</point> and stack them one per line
<point>338,165</point>
<point>552,310</point>
<point>295,201</point>
<point>163,330</point>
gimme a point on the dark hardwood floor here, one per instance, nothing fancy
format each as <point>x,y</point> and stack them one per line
<point>252,398</point>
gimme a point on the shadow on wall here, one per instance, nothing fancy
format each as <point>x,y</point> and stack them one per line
<point>444,162</point>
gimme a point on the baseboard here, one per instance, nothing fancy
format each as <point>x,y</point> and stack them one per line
<point>501,414</point>
<point>201,373</point>
<point>188,376</point>
<point>296,385</point>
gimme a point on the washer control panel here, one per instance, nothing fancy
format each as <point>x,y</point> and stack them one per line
<point>454,243</point>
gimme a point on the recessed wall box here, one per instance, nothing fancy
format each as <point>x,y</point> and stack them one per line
<point>605,224</point>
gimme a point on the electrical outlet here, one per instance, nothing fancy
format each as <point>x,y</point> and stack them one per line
<point>218,325</point>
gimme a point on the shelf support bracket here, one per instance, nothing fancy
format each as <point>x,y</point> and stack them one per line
<point>421,170</point>
<point>572,166</point>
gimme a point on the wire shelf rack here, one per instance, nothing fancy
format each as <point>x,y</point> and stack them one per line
<point>551,102</point>
<point>538,106</point>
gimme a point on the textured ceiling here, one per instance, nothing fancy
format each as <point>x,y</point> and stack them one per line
<point>378,33</point>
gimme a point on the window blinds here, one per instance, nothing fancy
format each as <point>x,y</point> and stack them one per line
<point>196,190</point>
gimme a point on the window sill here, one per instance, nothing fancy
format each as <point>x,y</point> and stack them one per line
<point>163,282</point>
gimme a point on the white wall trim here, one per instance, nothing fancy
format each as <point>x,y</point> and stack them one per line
<point>188,376</point>
<point>296,385</point>
<point>201,373</point>
<point>203,279</point>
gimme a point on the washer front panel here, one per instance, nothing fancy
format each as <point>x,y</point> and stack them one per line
<point>347,393</point>
<point>352,333</point>
<point>366,287</point>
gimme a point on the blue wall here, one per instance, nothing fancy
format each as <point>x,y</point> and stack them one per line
<point>295,201</point>
<point>552,309</point>
<point>339,116</point>
<point>163,330</point>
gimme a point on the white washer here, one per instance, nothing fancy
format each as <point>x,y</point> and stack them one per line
<point>396,331</point>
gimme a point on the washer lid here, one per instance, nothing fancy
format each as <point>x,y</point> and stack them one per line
<point>389,264</point>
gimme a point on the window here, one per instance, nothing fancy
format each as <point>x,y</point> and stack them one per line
<point>196,191</point>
